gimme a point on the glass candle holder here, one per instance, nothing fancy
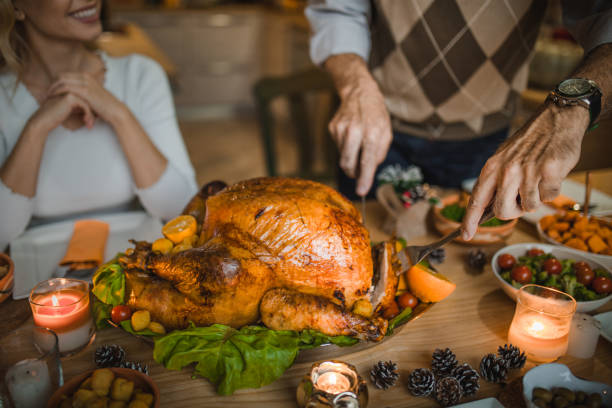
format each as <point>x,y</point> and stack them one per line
<point>541,322</point>
<point>30,371</point>
<point>62,305</point>
<point>332,384</point>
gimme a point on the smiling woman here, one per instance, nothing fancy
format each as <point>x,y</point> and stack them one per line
<point>81,131</point>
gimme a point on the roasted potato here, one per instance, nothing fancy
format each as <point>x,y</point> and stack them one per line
<point>157,328</point>
<point>144,397</point>
<point>101,381</point>
<point>140,320</point>
<point>86,384</point>
<point>122,389</point>
<point>117,404</point>
<point>100,402</point>
<point>82,397</point>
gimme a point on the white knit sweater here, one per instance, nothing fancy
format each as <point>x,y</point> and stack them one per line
<point>86,170</point>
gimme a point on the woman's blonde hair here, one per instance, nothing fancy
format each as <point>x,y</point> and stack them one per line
<point>12,39</point>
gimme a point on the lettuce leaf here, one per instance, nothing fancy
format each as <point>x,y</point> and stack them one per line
<point>101,313</point>
<point>109,283</point>
<point>232,359</point>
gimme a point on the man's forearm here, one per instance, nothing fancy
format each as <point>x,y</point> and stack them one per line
<point>597,66</point>
<point>349,71</point>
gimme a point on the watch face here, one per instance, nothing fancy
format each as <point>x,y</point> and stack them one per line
<point>574,87</point>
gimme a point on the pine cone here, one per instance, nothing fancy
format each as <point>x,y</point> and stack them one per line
<point>493,368</point>
<point>437,255</point>
<point>384,374</point>
<point>421,382</point>
<point>109,355</point>
<point>468,379</point>
<point>132,365</point>
<point>448,391</point>
<point>477,259</point>
<point>442,362</point>
<point>512,355</point>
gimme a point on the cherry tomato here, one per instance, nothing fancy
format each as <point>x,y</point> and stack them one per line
<point>521,274</point>
<point>391,311</point>
<point>584,273</point>
<point>535,252</point>
<point>120,313</point>
<point>407,300</point>
<point>552,266</point>
<point>506,261</point>
<point>602,285</point>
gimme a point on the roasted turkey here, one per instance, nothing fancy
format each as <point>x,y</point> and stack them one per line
<point>291,253</point>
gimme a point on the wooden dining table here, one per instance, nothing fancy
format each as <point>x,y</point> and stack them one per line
<point>473,321</point>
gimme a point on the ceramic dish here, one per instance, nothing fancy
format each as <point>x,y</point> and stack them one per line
<point>554,375</point>
<point>484,235</point>
<point>6,280</point>
<point>517,250</point>
<point>605,260</point>
<point>606,325</point>
<point>140,380</point>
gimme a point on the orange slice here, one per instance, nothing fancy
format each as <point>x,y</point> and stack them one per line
<point>427,285</point>
<point>179,228</point>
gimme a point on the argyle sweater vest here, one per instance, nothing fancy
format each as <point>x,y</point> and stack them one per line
<point>453,69</point>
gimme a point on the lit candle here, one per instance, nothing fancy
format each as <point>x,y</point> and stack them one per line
<point>62,305</point>
<point>541,323</point>
<point>28,383</point>
<point>333,383</point>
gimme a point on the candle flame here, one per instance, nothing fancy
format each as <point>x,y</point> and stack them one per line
<point>536,327</point>
<point>54,301</point>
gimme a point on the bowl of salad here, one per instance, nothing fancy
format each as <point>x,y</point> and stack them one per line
<point>567,270</point>
<point>448,215</point>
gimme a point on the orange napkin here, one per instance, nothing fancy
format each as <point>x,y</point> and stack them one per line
<point>86,247</point>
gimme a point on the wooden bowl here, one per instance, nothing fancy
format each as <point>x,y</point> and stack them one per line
<point>484,235</point>
<point>6,282</point>
<point>140,380</point>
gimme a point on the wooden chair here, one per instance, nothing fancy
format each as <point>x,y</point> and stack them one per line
<point>296,87</point>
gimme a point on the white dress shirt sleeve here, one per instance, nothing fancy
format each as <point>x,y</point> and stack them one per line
<point>339,27</point>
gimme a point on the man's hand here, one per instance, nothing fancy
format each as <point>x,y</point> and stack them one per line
<point>529,166</point>
<point>361,128</point>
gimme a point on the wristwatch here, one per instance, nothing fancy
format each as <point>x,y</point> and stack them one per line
<point>579,91</point>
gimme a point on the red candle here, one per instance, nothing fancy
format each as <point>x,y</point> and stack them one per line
<point>62,305</point>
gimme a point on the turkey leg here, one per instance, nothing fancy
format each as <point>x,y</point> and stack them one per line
<point>285,309</point>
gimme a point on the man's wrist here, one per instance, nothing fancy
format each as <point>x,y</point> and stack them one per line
<point>570,115</point>
<point>349,72</point>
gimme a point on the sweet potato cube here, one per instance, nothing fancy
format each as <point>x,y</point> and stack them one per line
<point>580,225</point>
<point>566,235</point>
<point>596,244</point>
<point>584,235</point>
<point>547,221</point>
<point>605,232</point>
<point>577,243</point>
<point>561,226</point>
<point>554,234</point>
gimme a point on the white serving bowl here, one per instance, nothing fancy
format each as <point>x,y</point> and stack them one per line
<point>559,252</point>
<point>605,260</point>
<point>555,375</point>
